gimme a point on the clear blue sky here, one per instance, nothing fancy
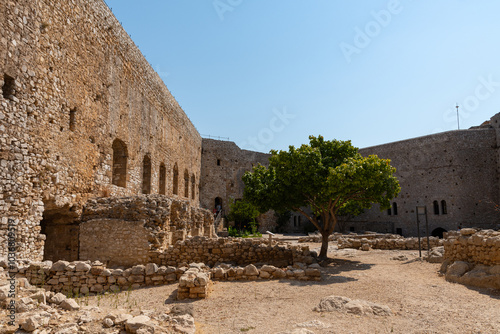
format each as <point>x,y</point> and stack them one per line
<point>267,74</point>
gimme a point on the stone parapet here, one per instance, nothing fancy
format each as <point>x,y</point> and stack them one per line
<point>470,245</point>
<point>389,241</point>
<point>238,251</point>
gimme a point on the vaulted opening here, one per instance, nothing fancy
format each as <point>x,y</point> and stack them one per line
<point>444,209</point>
<point>175,182</point>
<point>162,186</point>
<point>8,87</point>
<point>146,175</point>
<point>218,205</point>
<point>435,205</point>
<point>120,157</point>
<point>395,208</point>
<point>186,183</point>
<point>72,119</point>
<point>193,187</point>
<point>438,232</point>
<point>60,226</point>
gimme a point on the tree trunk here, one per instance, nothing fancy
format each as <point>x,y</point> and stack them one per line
<point>324,244</point>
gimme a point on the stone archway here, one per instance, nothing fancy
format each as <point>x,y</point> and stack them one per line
<point>438,232</point>
<point>60,226</point>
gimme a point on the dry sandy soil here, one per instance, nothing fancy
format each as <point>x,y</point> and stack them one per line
<point>421,300</point>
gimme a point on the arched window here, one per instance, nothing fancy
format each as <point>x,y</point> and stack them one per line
<point>389,211</point>
<point>438,232</point>
<point>163,179</point>
<point>395,208</point>
<point>444,209</point>
<point>146,175</point>
<point>120,155</point>
<point>176,180</point>
<point>193,186</point>
<point>218,204</point>
<point>72,119</point>
<point>186,184</point>
<point>436,207</point>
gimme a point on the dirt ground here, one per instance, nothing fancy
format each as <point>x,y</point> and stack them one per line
<point>421,300</point>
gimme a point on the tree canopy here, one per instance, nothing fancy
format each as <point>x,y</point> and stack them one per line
<point>325,176</point>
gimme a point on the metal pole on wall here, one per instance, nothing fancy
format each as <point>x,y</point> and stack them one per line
<point>418,234</point>
<point>427,232</point>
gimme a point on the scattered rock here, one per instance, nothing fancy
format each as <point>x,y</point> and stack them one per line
<point>251,270</point>
<point>436,255</point>
<point>312,324</point>
<point>69,304</point>
<point>181,309</point>
<point>30,324</point>
<point>133,324</point>
<point>400,258</point>
<point>359,307</point>
<point>108,323</point>
<point>184,324</point>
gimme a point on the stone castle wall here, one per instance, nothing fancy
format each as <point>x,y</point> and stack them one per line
<point>82,114</point>
<point>457,171</point>
<point>223,164</point>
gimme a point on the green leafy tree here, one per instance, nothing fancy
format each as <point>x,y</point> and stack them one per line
<point>326,176</point>
<point>243,212</point>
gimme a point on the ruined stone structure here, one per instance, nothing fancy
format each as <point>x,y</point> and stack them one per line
<point>83,115</point>
<point>472,258</point>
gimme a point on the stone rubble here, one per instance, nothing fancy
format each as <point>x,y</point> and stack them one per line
<point>358,307</point>
<point>49,315</point>
<point>472,258</point>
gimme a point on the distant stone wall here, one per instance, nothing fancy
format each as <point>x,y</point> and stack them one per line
<point>237,251</point>
<point>123,231</point>
<point>477,247</point>
<point>456,171</point>
<point>223,164</point>
<point>389,241</point>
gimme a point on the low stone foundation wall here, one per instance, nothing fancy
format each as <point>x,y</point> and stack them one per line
<point>472,258</point>
<point>386,241</point>
<point>469,245</point>
<point>83,278</point>
<point>249,273</point>
<point>317,238</point>
<point>238,251</point>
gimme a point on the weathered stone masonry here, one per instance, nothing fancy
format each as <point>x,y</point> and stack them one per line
<point>454,174</point>
<point>82,115</point>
